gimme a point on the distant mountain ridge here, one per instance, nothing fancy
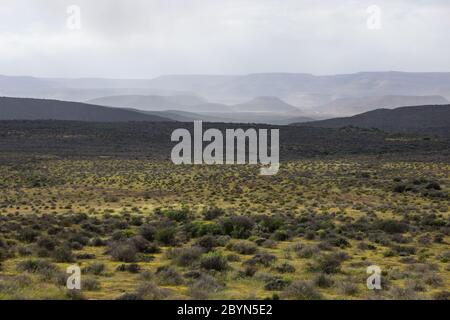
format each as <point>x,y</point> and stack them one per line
<point>395,120</point>
<point>234,89</point>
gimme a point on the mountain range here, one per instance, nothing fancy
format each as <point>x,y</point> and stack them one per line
<point>272,98</point>
<point>323,95</point>
<point>403,119</point>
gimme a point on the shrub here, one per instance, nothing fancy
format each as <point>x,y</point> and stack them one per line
<point>193,274</point>
<point>28,235</point>
<point>214,261</point>
<point>398,293</point>
<point>169,276</point>
<point>90,284</point>
<point>98,242</point>
<point>178,215</point>
<point>132,268</point>
<point>143,246</point>
<point>276,285</point>
<point>307,252</point>
<point>123,252</point>
<point>323,281</point>
<point>5,254</point>
<point>281,235</point>
<point>148,232</point>
<point>330,263</point>
<point>47,243</point>
<point>270,223</point>
<point>392,226</point>
<point>249,271</point>
<point>85,256</point>
<point>36,266</point>
<point>213,213</point>
<point>433,186</point>
<point>129,296</point>
<point>348,288</point>
<point>204,285</point>
<point>264,259</point>
<point>150,291</point>
<point>207,243</point>
<point>301,290</point>
<point>238,226</point>
<point>433,280</point>
<point>285,268</point>
<point>96,268</point>
<point>243,247</point>
<point>202,228</point>
<point>166,235</point>
<point>75,295</point>
<point>63,254</point>
<point>184,257</point>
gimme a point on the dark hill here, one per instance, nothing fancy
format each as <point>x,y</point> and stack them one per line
<point>400,119</point>
<point>35,109</point>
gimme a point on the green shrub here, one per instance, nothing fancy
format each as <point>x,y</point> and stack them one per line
<point>96,268</point>
<point>36,266</point>
<point>185,257</point>
<point>214,261</point>
<point>323,281</point>
<point>243,247</point>
<point>330,263</point>
<point>123,252</point>
<point>90,284</point>
<point>238,226</point>
<point>166,235</point>
<point>63,254</point>
<point>169,276</point>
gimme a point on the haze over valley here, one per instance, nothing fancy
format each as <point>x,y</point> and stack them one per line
<point>275,98</point>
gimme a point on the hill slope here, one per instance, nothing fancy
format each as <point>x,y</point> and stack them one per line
<point>352,106</point>
<point>34,109</point>
<point>400,119</point>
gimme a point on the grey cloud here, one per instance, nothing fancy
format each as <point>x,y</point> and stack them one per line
<point>142,38</point>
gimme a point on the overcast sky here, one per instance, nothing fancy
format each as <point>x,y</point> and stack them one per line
<point>147,38</point>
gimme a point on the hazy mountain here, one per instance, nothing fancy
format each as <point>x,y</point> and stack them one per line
<point>352,106</point>
<point>150,103</point>
<point>400,119</point>
<point>78,90</point>
<point>305,91</point>
<point>308,101</point>
<point>184,116</point>
<point>211,107</point>
<point>34,109</point>
<point>265,104</point>
<point>281,85</point>
<point>186,103</point>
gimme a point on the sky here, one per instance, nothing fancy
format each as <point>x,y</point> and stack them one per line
<point>148,38</point>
